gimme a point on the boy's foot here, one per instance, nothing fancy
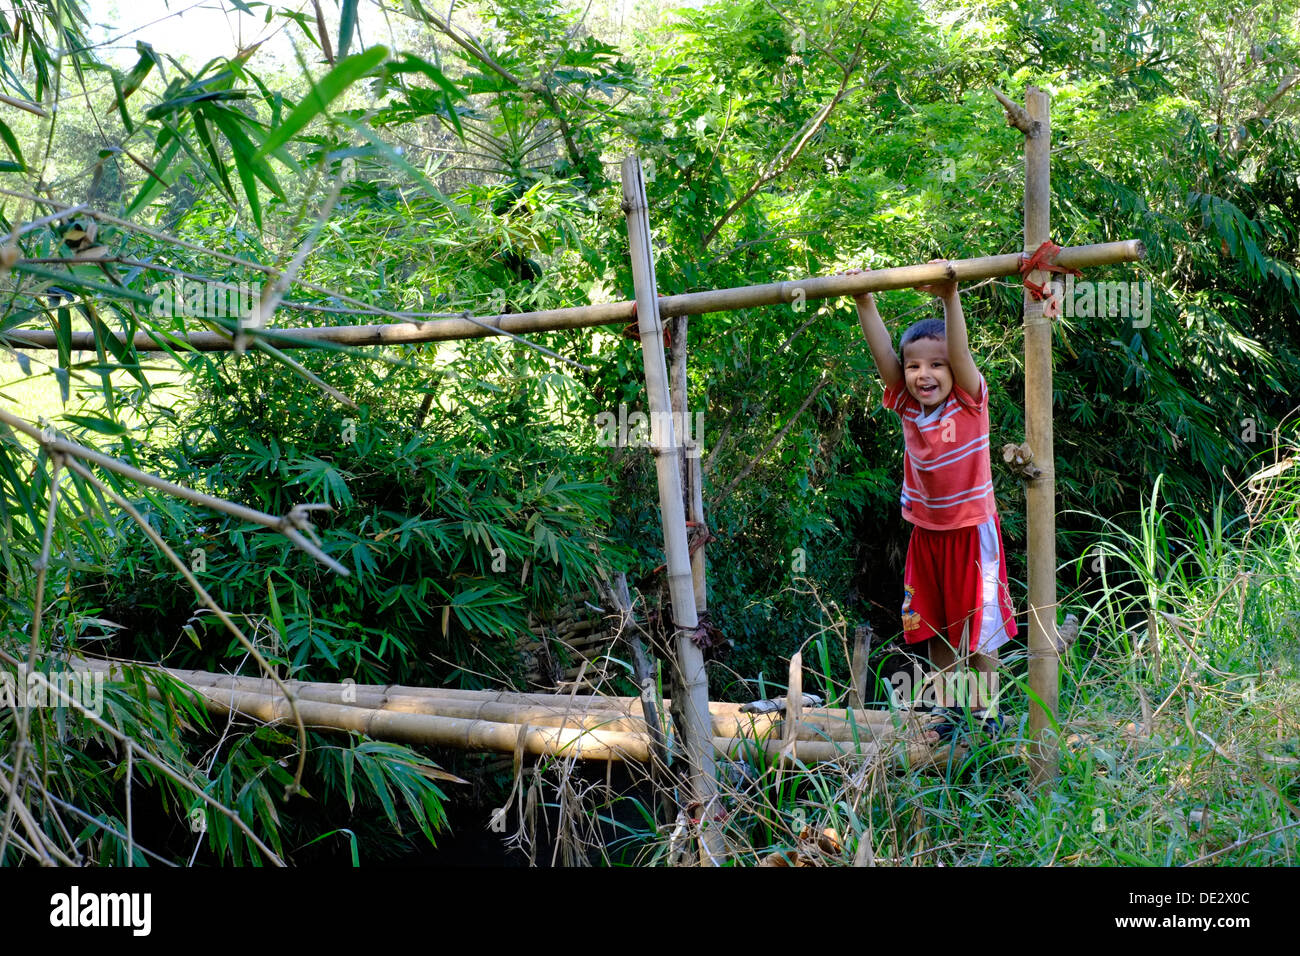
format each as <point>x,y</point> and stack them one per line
<point>992,724</point>
<point>954,719</point>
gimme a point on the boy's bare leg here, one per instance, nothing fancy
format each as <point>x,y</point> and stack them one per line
<point>984,696</point>
<point>943,661</point>
<point>952,676</point>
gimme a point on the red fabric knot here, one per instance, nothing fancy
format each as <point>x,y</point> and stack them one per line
<point>1042,259</point>
<point>633,331</point>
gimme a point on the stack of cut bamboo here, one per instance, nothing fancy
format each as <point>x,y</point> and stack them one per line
<point>583,726</point>
<point>581,632</point>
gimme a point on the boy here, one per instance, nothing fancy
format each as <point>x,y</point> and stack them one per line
<point>955,581</point>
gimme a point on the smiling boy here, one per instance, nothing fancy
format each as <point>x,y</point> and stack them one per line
<point>955,580</point>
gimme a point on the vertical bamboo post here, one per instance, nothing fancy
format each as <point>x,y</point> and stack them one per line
<point>642,669</point>
<point>696,728</point>
<point>689,461</point>
<point>859,667</point>
<point>793,705</point>
<point>695,510</point>
<point>1040,493</point>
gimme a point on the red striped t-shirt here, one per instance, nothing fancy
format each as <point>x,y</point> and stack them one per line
<point>947,480</point>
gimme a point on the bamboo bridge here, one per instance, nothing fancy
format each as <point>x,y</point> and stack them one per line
<point>578,726</point>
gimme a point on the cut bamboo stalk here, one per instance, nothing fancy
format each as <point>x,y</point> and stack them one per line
<point>431,729</point>
<point>793,702</point>
<point>576,624</point>
<point>573,674</point>
<point>576,702</point>
<point>602,639</point>
<point>812,751</point>
<point>859,666</point>
<point>591,651</point>
<point>1040,492</point>
<point>477,735</point>
<point>619,313</point>
<point>815,727</point>
<point>580,640</point>
<point>723,725</point>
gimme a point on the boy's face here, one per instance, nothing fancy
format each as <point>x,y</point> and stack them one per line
<point>926,372</point>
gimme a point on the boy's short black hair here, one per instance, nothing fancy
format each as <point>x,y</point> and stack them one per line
<point>925,329</point>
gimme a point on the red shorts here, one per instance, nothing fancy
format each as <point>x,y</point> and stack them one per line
<point>955,580</point>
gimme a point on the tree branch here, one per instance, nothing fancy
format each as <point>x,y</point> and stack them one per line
<point>293,525</point>
<point>792,148</point>
<point>538,89</point>
<point>780,436</point>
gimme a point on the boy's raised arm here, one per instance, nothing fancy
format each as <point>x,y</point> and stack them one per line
<point>965,374</point>
<point>882,347</point>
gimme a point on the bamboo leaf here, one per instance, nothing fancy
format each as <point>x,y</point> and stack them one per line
<point>63,337</point>
<point>205,137</point>
<point>97,423</point>
<point>347,26</point>
<point>152,186</point>
<point>12,142</point>
<point>119,104</point>
<point>375,775</point>
<point>122,351</point>
<point>245,152</point>
<point>322,94</point>
<point>277,618</point>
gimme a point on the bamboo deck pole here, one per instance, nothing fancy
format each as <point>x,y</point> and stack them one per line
<point>431,729</point>
<point>614,313</point>
<point>693,706</point>
<point>1040,492</point>
<point>506,737</point>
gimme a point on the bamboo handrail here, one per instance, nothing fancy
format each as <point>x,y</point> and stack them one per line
<point>614,313</point>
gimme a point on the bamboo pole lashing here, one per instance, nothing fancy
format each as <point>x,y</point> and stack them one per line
<point>620,313</point>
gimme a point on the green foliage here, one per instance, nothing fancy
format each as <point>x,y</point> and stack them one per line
<point>455,516</point>
<point>779,144</point>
